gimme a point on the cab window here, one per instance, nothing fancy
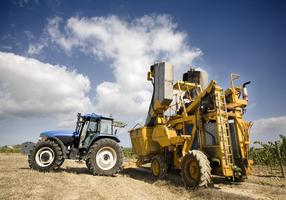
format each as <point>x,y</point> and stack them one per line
<point>92,127</point>
<point>106,126</point>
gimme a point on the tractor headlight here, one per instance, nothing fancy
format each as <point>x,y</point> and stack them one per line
<point>40,138</point>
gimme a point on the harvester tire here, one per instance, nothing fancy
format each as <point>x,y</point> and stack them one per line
<point>195,169</point>
<point>45,156</point>
<point>159,166</point>
<point>105,157</point>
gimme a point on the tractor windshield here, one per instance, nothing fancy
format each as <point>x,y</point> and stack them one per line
<point>106,126</point>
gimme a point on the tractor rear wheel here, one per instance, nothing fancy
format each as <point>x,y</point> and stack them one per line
<point>159,166</point>
<point>105,157</point>
<point>45,156</point>
<point>195,169</point>
<point>88,164</point>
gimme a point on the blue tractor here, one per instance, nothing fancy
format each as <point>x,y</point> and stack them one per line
<point>93,141</point>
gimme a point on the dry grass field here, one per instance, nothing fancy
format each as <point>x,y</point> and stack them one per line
<point>73,181</point>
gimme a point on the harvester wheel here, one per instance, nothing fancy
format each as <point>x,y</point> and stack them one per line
<point>195,169</point>
<point>159,166</point>
<point>45,156</point>
<point>105,157</point>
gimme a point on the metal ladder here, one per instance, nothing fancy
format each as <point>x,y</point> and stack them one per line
<point>224,128</point>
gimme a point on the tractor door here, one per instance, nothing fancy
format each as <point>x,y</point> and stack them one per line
<point>88,132</point>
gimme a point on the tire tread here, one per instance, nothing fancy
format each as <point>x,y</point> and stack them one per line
<point>58,156</point>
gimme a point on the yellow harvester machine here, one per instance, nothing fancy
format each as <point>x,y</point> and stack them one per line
<point>198,130</point>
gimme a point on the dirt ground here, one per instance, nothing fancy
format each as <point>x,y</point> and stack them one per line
<point>73,181</point>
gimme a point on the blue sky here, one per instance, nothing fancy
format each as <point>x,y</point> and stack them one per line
<point>96,53</point>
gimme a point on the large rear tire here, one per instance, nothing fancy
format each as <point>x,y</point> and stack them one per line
<point>88,164</point>
<point>45,156</point>
<point>195,169</point>
<point>105,157</point>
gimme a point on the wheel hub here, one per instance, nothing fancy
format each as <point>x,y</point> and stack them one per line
<point>106,158</point>
<point>194,170</point>
<point>45,156</point>
<point>156,168</point>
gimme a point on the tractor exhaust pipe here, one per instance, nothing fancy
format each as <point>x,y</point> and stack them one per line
<point>244,91</point>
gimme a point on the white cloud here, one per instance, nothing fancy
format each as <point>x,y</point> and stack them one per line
<point>131,46</point>
<point>6,47</point>
<point>21,3</point>
<point>53,30</point>
<point>30,88</point>
<point>268,129</point>
<point>29,34</point>
<point>35,48</point>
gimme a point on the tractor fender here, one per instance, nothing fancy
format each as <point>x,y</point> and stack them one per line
<point>99,137</point>
<point>63,147</point>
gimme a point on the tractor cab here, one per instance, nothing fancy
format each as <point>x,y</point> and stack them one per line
<point>91,126</point>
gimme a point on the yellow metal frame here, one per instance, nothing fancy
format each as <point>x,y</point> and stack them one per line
<point>170,132</point>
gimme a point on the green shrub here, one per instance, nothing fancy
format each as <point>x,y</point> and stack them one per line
<point>10,149</point>
<point>127,152</point>
<point>266,153</point>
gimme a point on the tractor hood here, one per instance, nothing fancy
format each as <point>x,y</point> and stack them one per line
<point>59,133</point>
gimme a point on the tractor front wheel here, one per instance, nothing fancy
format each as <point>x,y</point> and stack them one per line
<point>105,157</point>
<point>159,166</point>
<point>195,169</point>
<point>45,156</point>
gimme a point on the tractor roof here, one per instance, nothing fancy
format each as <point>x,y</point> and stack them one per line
<point>95,116</point>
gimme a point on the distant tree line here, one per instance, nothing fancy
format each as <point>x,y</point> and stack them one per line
<point>10,149</point>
